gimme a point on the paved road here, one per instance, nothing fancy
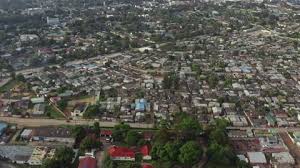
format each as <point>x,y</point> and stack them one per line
<point>279,130</point>
<point>36,122</point>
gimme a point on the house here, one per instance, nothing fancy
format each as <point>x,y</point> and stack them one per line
<point>87,162</point>
<point>38,109</point>
<point>55,100</point>
<point>296,138</point>
<point>270,119</point>
<point>28,37</point>
<point>79,110</point>
<point>145,151</point>
<point>15,153</point>
<point>121,153</point>
<point>146,165</point>
<point>282,159</point>
<point>52,21</point>
<point>26,134</point>
<point>38,100</point>
<point>140,105</point>
<point>52,134</point>
<point>3,127</point>
<point>106,133</point>
<point>256,158</point>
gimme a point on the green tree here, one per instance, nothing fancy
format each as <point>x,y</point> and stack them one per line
<point>242,164</point>
<point>218,135</point>
<point>50,163</point>
<point>79,133</point>
<point>162,136</point>
<point>89,143</point>
<point>188,127</point>
<point>220,154</point>
<point>62,104</point>
<point>212,80</point>
<point>91,111</point>
<point>172,150</point>
<point>63,157</point>
<point>120,132</point>
<point>107,162</point>
<point>155,151</point>
<point>190,153</point>
<point>96,129</point>
<point>132,138</point>
<point>20,78</point>
<point>171,81</point>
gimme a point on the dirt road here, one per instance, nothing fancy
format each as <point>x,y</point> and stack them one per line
<point>294,149</point>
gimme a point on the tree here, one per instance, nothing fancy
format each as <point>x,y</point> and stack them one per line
<point>107,162</point>
<point>79,133</point>
<point>120,132</point>
<point>172,150</point>
<point>155,151</point>
<point>162,136</point>
<point>171,81</point>
<point>102,96</point>
<point>20,78</point>
<point>113,92</point>
<point>189,127</point>
<point>50,163</point>
<point>96,129</point>
<point>242,164</point>
<point>63,157</point>
<point>189,153</point>
<point>212,80</point>
<point>91,111</point>
<point>132,138</point>
<point>220,154</point>
<point>89,143</point>
<point>62,104</point>
<point>219,136</point>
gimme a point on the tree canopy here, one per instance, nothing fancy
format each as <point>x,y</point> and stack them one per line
<point>63,158</point>
<point>190,153</point>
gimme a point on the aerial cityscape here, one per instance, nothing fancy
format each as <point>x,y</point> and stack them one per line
<point>149,84</point>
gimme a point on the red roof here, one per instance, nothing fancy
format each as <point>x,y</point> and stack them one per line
<point>145,150</point>
<point>55,99</point>
<point>106,132</point>
<point>87,162</point>
<point>147,166</point>
<point>117,151</point>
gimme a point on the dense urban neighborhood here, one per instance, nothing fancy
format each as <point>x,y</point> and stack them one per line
<point>149,84</point>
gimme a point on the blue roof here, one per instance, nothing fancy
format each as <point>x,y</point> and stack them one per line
<point>141,105</point>
<point>3,126</point>
<point>246,69</point>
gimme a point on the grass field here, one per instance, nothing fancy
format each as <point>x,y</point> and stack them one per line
<point>52,113</point>
<point>9,85</point>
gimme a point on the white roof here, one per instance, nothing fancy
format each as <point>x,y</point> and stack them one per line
<point>283,157</point>
<point>243,158</point>
<point>257,157</point>
<point>26,132</point>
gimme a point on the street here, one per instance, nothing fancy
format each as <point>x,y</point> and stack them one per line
<point>37,122</point>
<point>294,149</point>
